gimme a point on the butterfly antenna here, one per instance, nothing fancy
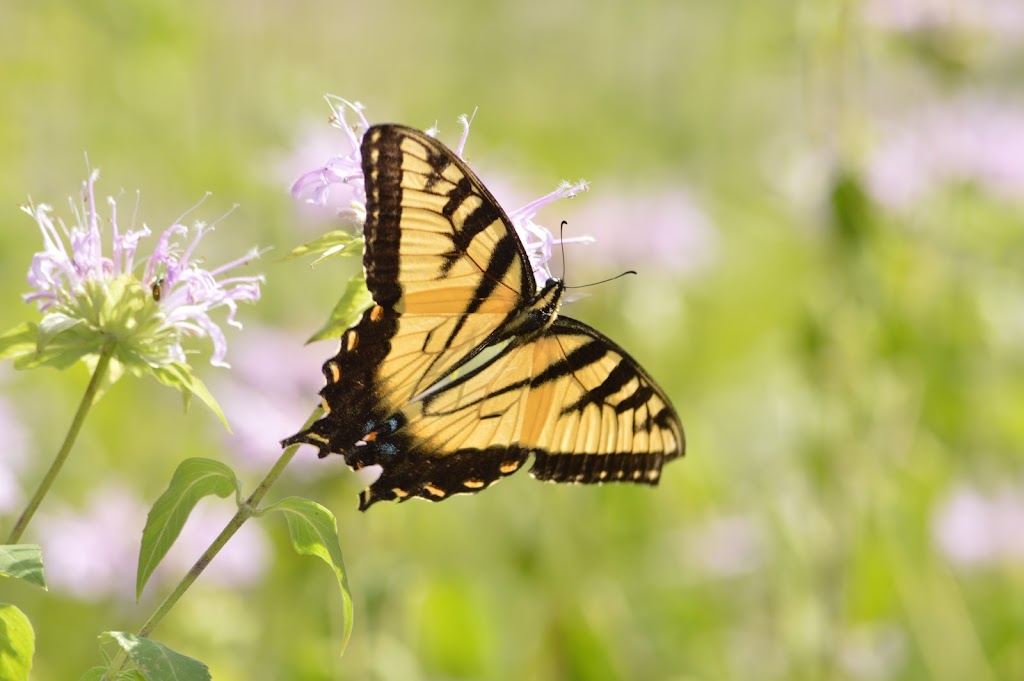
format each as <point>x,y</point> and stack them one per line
<point>604,281</point>
<point>561,240</point>
<point>561,243</point>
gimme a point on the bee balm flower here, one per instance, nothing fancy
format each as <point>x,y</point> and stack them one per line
<point>139,313</point>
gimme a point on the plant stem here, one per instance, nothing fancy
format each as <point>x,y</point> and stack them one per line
<point>76,425</point>
<point>245,511</point>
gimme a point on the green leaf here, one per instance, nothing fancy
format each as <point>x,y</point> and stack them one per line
<point>194,479</point>
<point>353,301</point>
<point>338,242</point>
<point>56,343</point>
<point>18,341</point>
<point>156,661</point>
<point>17,644</point>
<point>314,532</point>
<point>23,561</point>
<point>53,325</point>
<point>180,376</point>
<point>851,210</point>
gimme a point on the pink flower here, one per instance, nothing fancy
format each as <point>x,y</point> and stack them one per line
<point>263,400</point>
<point>975,528</point>
<point>664,227</point>
<point>994,16</point>
<point>14,456</point>
<point>92,551</point>
<point>75,284</point>
<point>969,139</point>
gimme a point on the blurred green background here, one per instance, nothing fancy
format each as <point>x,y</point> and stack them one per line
<point>824,203</point>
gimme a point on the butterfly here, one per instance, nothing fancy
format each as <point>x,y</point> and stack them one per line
<point>461,369</point>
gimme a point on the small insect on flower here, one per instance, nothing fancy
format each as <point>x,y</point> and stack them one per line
<point>157,289</point>
<point>137,313</point>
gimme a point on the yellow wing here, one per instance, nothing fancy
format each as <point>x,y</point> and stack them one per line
<point>450,279</point>
<point>446,272</point>
<point>440,254</point>
<point>571,397</point>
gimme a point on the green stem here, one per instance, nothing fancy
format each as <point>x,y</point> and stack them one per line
<point>76,425</point>
<point>245,511</point>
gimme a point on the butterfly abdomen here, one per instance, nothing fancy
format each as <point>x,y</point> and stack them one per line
<point>539,315</point>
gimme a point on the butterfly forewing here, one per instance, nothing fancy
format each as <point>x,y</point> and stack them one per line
<point>440,252</point>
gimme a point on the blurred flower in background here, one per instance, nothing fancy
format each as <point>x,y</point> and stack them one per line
<point>873,651</point>
<point>977,529</point>
<point>1005,17</point>
<point>725,546</point>
<point>664,228</point>
<point>92,550</point>
<point>976,139</point>
<point>272,388</point>
<point>14,455</point>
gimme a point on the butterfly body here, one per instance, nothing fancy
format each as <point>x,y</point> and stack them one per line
<point>450,279</point>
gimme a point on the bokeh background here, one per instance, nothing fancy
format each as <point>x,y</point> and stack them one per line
<point>824,203</point>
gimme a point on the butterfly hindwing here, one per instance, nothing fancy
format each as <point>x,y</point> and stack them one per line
<point>570,396</point>
<point>606,418</point>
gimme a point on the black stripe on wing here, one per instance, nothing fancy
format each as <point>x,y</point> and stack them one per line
<point>383,159</point>
<point>626,369</point>
<point>382,173</point>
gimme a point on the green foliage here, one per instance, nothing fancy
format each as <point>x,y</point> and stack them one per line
<point>314,532</point>
<point>355,298</point>
<point>120,315</point>
<point>182,376</point>
<point>157,662</point>
<point>99,674</point>
<point>23,561</point>
<point>19,340</point>
<point>17,644</point>
<point>111,319</point>
<point>346,311</point>
<point>335,243</point>
<point>194,479</point>
<point>851,211</point>
<point>849,369</point>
